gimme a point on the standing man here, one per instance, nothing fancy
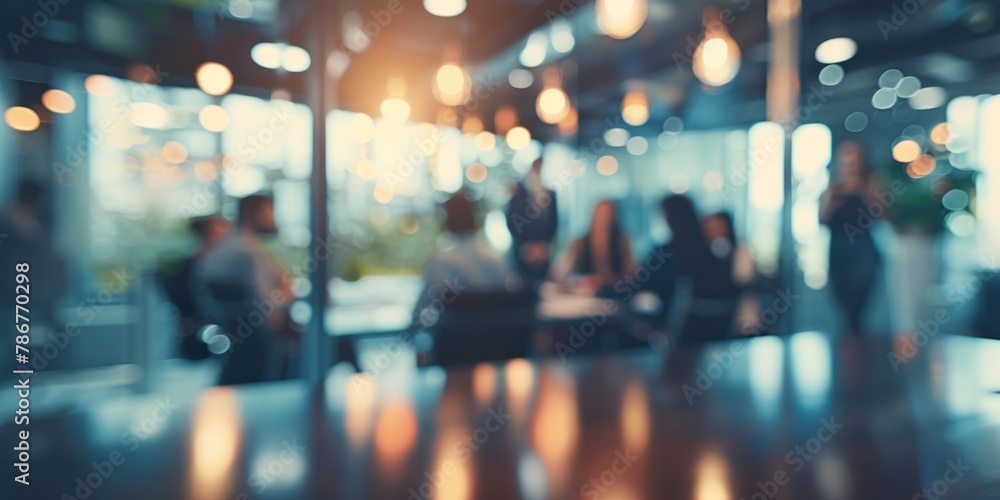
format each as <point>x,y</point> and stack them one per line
<point>532,219</point>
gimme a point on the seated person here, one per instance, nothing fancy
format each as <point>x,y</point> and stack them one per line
<point>466,265</point>
<point>245,288</point>
<point>600,258</point>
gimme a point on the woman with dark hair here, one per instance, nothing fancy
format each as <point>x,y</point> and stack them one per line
<point>602,256</point>
<point>854,258</point>
<point>712,294</point>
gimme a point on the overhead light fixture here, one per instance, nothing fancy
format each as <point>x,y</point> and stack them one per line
<point>621,19</point>
<point>836,50</point>
<point>22,118</point>
<point>552,104</point>
<point>280,55</point>
<point>214,78</point>
<point>452,85</point>
<point>635,108</point>
<point>58,101</point>
<point>716,60</point>
<point>445,8</point>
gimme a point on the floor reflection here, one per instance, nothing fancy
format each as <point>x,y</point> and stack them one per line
<point>215,444</point>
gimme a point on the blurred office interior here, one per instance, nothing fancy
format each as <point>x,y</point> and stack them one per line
<point>360,118</point>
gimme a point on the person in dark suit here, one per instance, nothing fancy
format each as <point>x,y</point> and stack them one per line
<point>533,220</point>
<point>854,258</point>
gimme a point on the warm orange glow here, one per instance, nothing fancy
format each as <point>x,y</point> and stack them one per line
<point>635,417</point>
<point>635,108</point>
<point>569,125</point>
<point>214,78</point>
<point>940,134</point>
<point>58,101</point>
<point>214,118</point>
<point>395,432</point>
<point>383,194</point>
<point>621,18</point>
<point>607,165</point>
<point>472,125</point>
<point>716,60</point>
<point>505,119</point>
<point>22,118</point>
<point>174,152</point>
<point>921,166</point>
<point>206,171</point>
<point>552,105</point>
<point>518,138</point>
<point>452,85</point>
<point>906,151</point>
<point>711,479</point>
<point>215,444</point>
<point>99,85</point>
<point>485,141</point>
<point>519,378</point>
<point>484,382</point>
<point>458,474</point>
<point>359,407</point>
<point>555,428</point>
<point>476,172</point>
<point>395,110</point>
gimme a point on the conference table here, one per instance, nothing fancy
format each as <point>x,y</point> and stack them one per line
<point>804,416</point>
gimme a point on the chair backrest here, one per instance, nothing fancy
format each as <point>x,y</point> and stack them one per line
<point>481,326</point>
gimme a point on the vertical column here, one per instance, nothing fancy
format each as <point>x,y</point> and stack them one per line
<point>315,353</point>
<point>782,107</point>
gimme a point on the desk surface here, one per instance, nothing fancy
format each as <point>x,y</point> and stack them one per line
<point>799,417</point>
<point>384,305</point>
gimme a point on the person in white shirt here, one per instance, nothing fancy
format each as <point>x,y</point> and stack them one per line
<point>467,265</point>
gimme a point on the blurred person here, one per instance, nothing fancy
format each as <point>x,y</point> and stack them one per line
<point>601,257</point>
<point>854,257</point>
<point>533,220</point>
<point>181,288</point>
<point>735,256</point>
<point>25,239</point>
<point>244,287</point>
<point>467,265</point>
<point>712,293</point>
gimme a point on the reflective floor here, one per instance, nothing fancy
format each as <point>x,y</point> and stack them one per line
<point>799,417</point>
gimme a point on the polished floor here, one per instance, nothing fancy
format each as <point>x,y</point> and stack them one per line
<point>807,416</point>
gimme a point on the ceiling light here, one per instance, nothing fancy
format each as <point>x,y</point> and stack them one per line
<point>22,118</point>
<point>620,19</point>
<point>445,8</point>
<point>58,101</point>
<point>214,78</point>
<point>836,50</point>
